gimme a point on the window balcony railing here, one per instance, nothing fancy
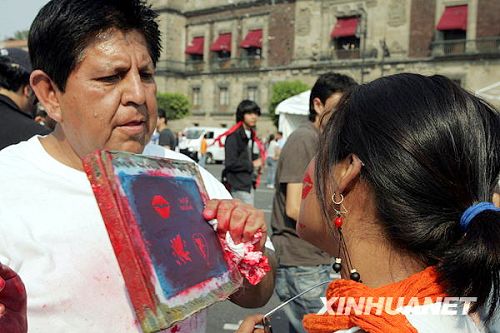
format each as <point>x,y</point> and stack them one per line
<point>171,66</point>
<point>221,64</point>
<point>249,62</point>
<point>335,55</point>
<point>347,54</point>
<point>487,45</point>
<point>195,65</point>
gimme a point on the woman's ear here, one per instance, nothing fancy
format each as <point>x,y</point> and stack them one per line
<point>348,172</point>
<point>47,93</point>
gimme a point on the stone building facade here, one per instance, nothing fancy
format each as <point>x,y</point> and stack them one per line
<point>212,55</point>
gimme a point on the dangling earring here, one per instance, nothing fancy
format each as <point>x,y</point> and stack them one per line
<point>340,210</point>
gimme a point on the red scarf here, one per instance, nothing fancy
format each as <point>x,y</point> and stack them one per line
<point>421,285</point>
<point>262,150</point>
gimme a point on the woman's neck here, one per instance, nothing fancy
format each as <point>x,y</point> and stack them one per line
<point>378,261</point>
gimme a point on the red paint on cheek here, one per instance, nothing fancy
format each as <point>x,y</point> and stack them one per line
<point>307,185</point>
<point>175,329</point>
<point>301,226</point>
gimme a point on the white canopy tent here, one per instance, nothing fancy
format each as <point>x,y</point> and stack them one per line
<point>491,92</point>
<point>293,112</point>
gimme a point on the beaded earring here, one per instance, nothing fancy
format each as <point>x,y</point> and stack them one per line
<point>340,210</point>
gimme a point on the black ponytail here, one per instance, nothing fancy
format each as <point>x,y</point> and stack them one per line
<point>471,268</point>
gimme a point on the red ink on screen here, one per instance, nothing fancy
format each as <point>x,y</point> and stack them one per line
<point>184,204</point>
<point>161,206</point>
<point>201,244</point>
<point>178,250</point>
<point>307,185</point>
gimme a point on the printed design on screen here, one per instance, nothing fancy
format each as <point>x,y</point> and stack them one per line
<point>185,204</point>
<point>161,206</point>
<point>169,217</point>
<point>201,245</point>
<point>179,250</point>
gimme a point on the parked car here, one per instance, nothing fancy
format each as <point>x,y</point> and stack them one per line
<point>190,143</point>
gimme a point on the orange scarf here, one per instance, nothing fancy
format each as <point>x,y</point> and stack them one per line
<point>421,285</point>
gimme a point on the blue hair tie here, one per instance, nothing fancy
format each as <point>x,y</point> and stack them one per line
<point>473,210</point>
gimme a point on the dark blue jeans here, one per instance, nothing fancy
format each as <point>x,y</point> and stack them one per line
<point>290,281</point>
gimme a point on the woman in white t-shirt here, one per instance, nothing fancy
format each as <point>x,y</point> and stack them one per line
<point>400,195</point>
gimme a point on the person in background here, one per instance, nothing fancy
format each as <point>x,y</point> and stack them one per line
<point>17,100</point>
<point>203,150</point>
<point>271,160</point>
<point>94,63</point>
<point>301,264</point>
<point>240,164</point>
<point>166,136</point>
<point>43,118</point>
<point>280,139</point>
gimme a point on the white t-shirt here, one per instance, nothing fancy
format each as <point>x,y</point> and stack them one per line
<point>271,150</point>
<point>52,234</point>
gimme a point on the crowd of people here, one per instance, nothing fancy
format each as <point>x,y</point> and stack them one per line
<point>393,184</point>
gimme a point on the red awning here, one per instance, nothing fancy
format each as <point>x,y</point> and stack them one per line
<point>345,27</point>
<point>196,46</point>
<point>222,43</point>
<point>454,18</point>
<point>252,39</point>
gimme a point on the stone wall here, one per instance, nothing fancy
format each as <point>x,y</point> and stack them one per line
<point>422,27</point>
<point>488,23</point>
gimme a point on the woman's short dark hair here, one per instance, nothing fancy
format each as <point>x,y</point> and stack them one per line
<point>327,85</point>
<point>64,28</point>
<point>430,150</point>
<point>246,106</point>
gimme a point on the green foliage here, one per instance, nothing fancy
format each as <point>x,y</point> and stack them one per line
<point>176,105</point>
<point>282,91</point>
<point>21,34</point>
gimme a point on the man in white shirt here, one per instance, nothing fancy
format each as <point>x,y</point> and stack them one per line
<point>94,63</point>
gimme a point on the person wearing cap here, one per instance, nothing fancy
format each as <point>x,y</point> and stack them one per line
<point>239,147</point>
<point>17,100</point>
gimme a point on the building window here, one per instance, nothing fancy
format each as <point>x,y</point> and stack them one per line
<point>223,96</point>
<point>222,46</point>
<point>252,43</point>
<point>252,92</point>
<point>253,52</point>
<point>452,28</point>
<point>196,96</point>
<point>195,49</point>
<point>223,55</point>
<point>345,37</point>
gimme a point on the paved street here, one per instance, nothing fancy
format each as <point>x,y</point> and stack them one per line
<point>224,316</point>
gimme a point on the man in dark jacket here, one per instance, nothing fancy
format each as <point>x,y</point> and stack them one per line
<point>17,100</point>
<point>239,149</point>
